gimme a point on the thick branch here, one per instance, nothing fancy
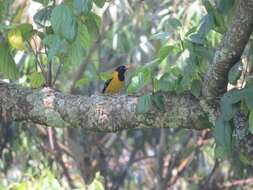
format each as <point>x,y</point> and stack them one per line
<point>230,50</point>
<point>97,113</point>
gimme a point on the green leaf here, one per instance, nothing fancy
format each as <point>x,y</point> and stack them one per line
<point>139,81</point>
<point>220,152</point>
<point>227,102</point>
<point>63,22</point>
<point>218,17</point>
<point>174,23</point>
<point>77,49</point>
<point>235,73</point>
<point>83,36</point>
<point>189,73</point>
<point>160,36</point>
<point>93,23</point>
<point>8,66</point>
<point>99,3</point>
<point>57,46</point>
<point>164,52</point>
<point>43,2</point>
<point>26,30</point>
<point>245,159</point>
<point>249,99</point>
<point>2,187</point>
<point>251,121</point>
<point>83,82</point>
<point>223,134</point>
<point>97,183</point>
<point>37,79</point>
<point>82,6</point>
<point>206,24</point>
<point>223,130</point>
<point>1,11</point>
<point>5,8</point>
<point>204,52</point>
<point>42,17</point>
<point>167,82</point>
<point>105,75</point>
<point>144,104</point>
<point>196,88</point>
<point>225,5</point>
<point>158,102</point>
<point>208,6</point>
<point>232,97</point>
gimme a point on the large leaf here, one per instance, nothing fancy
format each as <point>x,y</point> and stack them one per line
<point>37,79</point>
<point>43,2</point>
<point>223,135</point>
<point>26,30</point>
<point>232,97</point>
<point>189,73</point>
<point>144,104</point>
<point>164,52</point>
<point>63,21</point>
<point>42,17</point>
<point>217,15</point>
<point>93,23</point>
<point>77,48</point>
<point>206,24</point>
<point>82,6</point>
<point>161,36</point>
<point>167,82</point>
<point>235,73</point>
<point>174,23</point>
<point>225,5</point>
<point>158,102</point>
<point>196,88</point>
<point>56,45</point>
<point>7,64</point>
<point>139,81</point>
<point>99,3</point>
<point>227,102</point>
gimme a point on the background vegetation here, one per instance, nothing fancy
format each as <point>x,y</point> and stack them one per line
<point>70,45</point>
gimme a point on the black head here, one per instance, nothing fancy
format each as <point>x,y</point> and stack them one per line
<point>121,70</point>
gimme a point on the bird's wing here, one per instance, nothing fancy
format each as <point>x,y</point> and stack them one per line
<point>106,84</point>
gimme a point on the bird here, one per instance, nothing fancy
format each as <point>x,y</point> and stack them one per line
<point>116,82</point>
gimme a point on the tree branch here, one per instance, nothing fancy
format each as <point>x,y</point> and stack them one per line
<point>98,112</point>
<point>230,50</point>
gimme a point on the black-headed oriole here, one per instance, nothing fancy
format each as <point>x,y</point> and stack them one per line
<point>116,82</point>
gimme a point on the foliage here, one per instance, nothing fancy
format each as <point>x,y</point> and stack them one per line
<point>170,44</point>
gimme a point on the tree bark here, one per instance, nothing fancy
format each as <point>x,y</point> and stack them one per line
<point>114,113</point>
<point>229,51</point>
<point>98,112</point>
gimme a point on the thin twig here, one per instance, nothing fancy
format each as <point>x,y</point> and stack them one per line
<point>60,160</point>
<point>49,71</point>
<point>37,62</point>
<point>159,159</point>
<point>240,182</point>
<point>123,173</point>
<point>210,176</point>
<point>58,71</point>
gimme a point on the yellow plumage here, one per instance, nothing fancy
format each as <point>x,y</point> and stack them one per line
<point>114,85</point>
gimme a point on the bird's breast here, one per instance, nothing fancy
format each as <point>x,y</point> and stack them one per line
<point>115,85</point>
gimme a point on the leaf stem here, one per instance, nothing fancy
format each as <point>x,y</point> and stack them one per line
<point>58,71</point>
